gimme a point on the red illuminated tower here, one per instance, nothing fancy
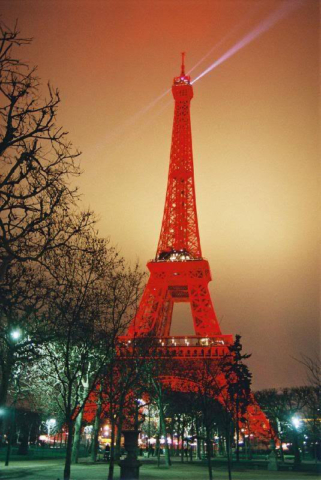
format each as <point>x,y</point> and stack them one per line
<point>179,273</point>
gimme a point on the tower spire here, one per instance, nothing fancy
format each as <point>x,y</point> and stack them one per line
<point>179,238</point>
<point>183,65</point>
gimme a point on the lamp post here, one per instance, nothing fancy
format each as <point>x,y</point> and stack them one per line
<point>50,425</point>
<point>2,416</point>
<point>10,436</point>
<point>129,467</point>
<point>15,335</point>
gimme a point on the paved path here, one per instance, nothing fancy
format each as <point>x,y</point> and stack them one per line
<point>53,470</point>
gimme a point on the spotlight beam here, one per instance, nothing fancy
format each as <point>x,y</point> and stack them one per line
<point>283,11</point>
<point>123,127</point>
<point>230,34</point>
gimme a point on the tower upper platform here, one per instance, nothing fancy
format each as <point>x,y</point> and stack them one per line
<point>182,89</point>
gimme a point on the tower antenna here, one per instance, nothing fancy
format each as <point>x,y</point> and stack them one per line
<point>183,65</point>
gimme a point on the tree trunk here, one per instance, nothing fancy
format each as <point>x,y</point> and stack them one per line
<point>5,375</point>
<point>24,440</point>
<point>190,452</point>
<point>228,450</point>
<point>281,452</point>
<point>10,436</point>
<point>4,266</point>
<point>163,431</point>
<point>203,441</point>
<point>191,447</point>
<point>279,429</point>
<point>247,443</point>
<point>221,446</point>
<point>94,448</point>
<point>118,438</point>
<point>178,435</point>
<point>112,449</point>
<point>68,450</point>
<point>197,426</point>
<point>149,431</point>
<point>4,385</point>
<point>182,439</point>
<point>209,453</point>
<point>315,437</point>
<point>237,444</point>
<point>297,457</point>
<point>76,442</point>
<point>157,447</point>
<point>173,423</point>
<point>237,427</point>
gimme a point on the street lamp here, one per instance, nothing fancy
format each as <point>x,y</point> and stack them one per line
<point>50,424</point>
<point>296,422</point>
<point>15,334</point>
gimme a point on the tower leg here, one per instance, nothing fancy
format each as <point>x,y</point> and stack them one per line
<point>205,321</point>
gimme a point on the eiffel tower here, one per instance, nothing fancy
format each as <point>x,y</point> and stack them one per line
<point>179,273</point>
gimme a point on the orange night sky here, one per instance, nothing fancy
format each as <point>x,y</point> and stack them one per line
<point>255,126</point>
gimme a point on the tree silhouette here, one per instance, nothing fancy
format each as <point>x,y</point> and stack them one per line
<point>36,163</point>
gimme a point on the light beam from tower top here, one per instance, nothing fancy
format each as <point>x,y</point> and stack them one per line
<point>285,9</point>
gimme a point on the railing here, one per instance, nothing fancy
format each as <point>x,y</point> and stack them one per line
<point>184,341</point>
<point>179,346</point>
<point>195,340</point>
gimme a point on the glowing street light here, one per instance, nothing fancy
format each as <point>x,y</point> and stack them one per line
<point>50,424</point>
<point>15,334</point>
<point>296,422</point>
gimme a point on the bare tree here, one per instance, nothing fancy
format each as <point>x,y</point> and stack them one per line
<point>36,163</point>
<point>76,308</point>
<point>313,369</point>
<point>26,297</point>
<point>90,282</point>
